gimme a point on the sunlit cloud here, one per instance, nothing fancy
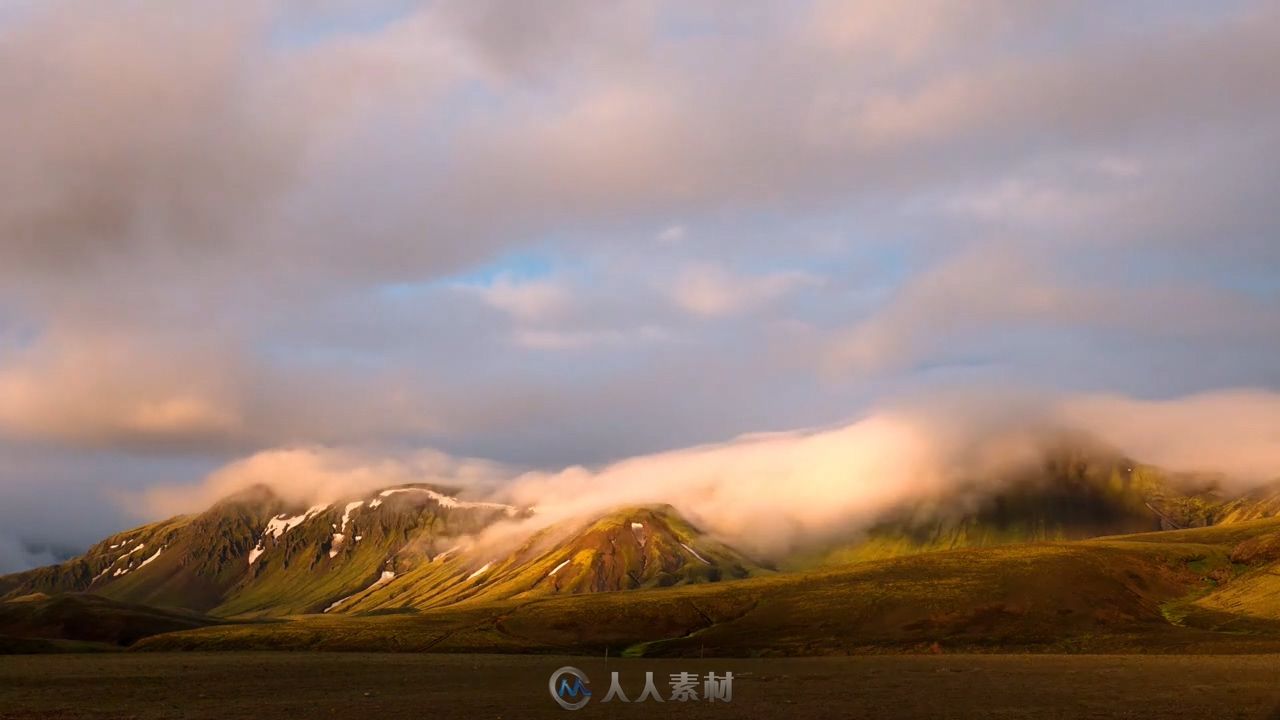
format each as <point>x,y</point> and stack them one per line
<point>285,224</point>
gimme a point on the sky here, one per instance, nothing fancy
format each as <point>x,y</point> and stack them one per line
<point>560,233</point>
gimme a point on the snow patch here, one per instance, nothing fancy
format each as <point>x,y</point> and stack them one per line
<point>140,546</point>
<point>558,568</point>
<point>387,576</point>
<point>340,536</point>
<point>695,553</point>
<point>281,524</point>
<point>481,571</point>
<point>637,526</point>
<point>148,560</point>
<point>346,513</point>
<point>448,501</point>
<point>359,538</point>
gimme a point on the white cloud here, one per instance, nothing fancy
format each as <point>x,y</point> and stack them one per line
<point>770,492</point>
<point>313,474</point>
<point>536,301</point>
<point>579,339</point>
<point>709,290</point>
<point>671,235</point>
<point>202,211</point>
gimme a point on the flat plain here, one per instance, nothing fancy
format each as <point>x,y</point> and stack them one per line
<point>265,685</point>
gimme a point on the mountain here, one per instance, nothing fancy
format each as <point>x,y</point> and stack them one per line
<point>1078,490</point>
<point>420,547</point>
<point>254,555</point>
<point>88,618</point>
<point>1260,502</point>
<point>1135,593</point>
<point>624,550</point>
<point>189,561</point>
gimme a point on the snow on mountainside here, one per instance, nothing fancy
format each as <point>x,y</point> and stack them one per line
<point>252,554</point>
<point>629,548</point>
<point>415,546</point>
<point>406,546</point>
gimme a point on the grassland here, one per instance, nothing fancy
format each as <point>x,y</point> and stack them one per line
<point>264,686</point>
<point>78,622</point>
<point>1025,630</point>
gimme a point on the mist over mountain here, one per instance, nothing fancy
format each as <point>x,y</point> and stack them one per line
<point>579,236</point>
<point>770,493</point>
<point>419,546</point>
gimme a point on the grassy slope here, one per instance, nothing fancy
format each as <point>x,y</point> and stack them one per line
<point>87,619</point>
<point>298,574</point>
<point>196,565</point>
<point>609,554</point>
<point>203,561</point>
<point>1108,594</point>
<point>1076,495</point>
<point>93,570</point>
<point>1250,600</point>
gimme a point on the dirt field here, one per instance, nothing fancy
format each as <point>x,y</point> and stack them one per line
<point>227,686</point>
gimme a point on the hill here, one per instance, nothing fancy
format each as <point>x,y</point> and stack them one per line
<point>420,547</point>
<point>38,623</point>
<point>1105,595</point>
<point>1078,491</point>
<point>627,549</point>
<point>254,554</point>
<point>408,546</point>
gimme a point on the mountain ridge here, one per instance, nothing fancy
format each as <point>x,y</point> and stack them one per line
<point>420,546</point>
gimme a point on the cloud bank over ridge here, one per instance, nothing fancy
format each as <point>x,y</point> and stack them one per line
<point>769,493</point>
<point>563,232</point>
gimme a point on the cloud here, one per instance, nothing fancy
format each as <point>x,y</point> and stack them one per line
<point>577,339</point>
<point>228,230</point>
<point>16,555</point>
<point>770,493</point>
<point>709,290</point>
<point>1234,432</point>
<point>994,290</point>
<point>115,160</point>
<point>762,492</point>
<point>529,300</point>
<point>104,388</point>
<point>175,391</point>
<point>314,474</point>
<point>671,234</point>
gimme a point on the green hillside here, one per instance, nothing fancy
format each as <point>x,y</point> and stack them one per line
<point>1078,491</point>
<point>253,554</point>
<point>85,619</point>
<point>417,549</point>
<point>627,549</point>
<point>1114,594</point>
